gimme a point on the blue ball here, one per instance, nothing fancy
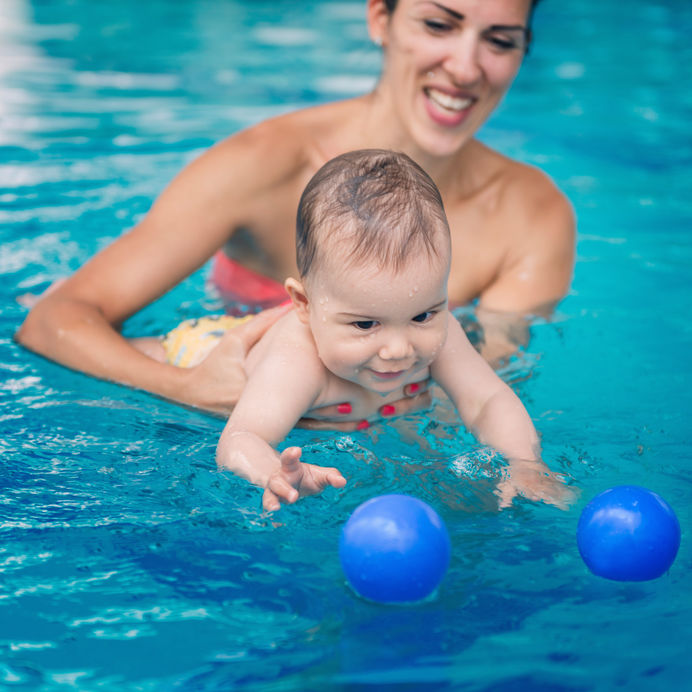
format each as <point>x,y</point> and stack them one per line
<point>394,549</point>
<point>628,533</point>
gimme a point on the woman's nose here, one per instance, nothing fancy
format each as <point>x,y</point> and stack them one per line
<point>462,63</point>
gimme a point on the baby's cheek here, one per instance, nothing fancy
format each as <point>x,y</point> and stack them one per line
<point>436,347</point>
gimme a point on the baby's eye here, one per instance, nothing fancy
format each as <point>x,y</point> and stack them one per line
<point>424,316</point>
<point>364,325</point>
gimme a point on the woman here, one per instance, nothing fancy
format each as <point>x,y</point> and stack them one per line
<point>446,67</point>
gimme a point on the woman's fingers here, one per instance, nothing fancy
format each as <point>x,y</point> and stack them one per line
<point>401,407</point>
<point>318,424</point>
<point>417,397</point>
<point>416,388</point>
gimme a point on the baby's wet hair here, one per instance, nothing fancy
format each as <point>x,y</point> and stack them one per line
<point>370,205</point>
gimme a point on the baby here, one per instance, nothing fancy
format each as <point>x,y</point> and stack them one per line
<point>370,316</point>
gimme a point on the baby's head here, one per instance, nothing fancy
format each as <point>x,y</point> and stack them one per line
<point>367,206</point>
<point>373,251</point>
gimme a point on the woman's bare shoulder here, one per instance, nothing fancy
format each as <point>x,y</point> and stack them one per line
<point>527,191</point>
<point>283,146</point>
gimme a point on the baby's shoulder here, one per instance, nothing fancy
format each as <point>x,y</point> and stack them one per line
<point>288,346</point>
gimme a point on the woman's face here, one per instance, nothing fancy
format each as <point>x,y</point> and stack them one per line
<point>448,64</point>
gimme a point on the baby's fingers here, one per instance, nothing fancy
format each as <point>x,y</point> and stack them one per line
<point>334,478</point>
<point>505,493</point>
<point>270,502</point>
<point>290,459</point>
<point>409,404</point>
<point>282,491</point>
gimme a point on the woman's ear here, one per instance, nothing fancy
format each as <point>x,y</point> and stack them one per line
<point>377,17</point>
<point>299,298</point>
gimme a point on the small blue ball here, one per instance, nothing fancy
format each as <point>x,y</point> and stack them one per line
<point>394,549</point>
<point>628,533</point>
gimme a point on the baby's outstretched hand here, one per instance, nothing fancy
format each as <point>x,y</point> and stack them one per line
<point>296,479</point>
<point>534,481</point>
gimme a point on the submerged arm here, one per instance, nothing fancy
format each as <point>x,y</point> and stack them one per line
<point>488,407</point>
<point>495,414</point>
<point>535,274</point>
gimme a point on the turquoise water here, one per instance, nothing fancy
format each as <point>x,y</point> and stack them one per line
<point>128,562</point>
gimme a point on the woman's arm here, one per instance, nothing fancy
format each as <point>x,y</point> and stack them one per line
<point>537,267</point>
<point>538,259</point>
<point>77,324</point>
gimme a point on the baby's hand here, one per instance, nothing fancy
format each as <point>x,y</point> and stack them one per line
<point>534,481</point>
<point>295,479</point>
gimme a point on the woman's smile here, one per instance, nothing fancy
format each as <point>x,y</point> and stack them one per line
<point>445,108</point>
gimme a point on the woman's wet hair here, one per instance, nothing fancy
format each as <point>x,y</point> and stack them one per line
<point>370,205</point>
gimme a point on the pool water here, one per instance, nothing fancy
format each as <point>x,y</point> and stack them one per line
<point>127,562</point>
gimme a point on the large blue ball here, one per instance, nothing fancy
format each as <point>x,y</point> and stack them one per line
<point>394,549</point>
<point>628,533</point>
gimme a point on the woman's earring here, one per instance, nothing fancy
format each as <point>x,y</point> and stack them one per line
<point>377,40</point>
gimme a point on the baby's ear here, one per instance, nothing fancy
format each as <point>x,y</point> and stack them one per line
<point>299,297</point>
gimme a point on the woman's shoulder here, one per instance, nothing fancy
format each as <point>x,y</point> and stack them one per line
<point>524,189</point>
<point>287,144</point>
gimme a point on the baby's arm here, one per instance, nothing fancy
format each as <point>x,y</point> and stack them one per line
<point>495,414</point>
<point>278,392</point>
<point>488,407</point>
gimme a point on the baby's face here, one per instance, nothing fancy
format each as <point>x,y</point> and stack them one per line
<point>379,328</point>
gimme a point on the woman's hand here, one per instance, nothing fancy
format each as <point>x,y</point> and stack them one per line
<point>416,398</point>
<point>218,381</point>
<point>295,479</point>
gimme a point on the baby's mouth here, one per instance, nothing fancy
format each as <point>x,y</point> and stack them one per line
<point>388,375</point>
<point>453,104</point>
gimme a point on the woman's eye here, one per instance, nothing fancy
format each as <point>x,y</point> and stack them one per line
<point>503,43</point>
<point>424,316</point>
<point>437,26</point>
<point>364,325</point>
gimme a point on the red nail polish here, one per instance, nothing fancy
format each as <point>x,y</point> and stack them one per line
<point>413,388</point>
<point>363,425</point>
<point>388,410</point>
<point>344,408</point>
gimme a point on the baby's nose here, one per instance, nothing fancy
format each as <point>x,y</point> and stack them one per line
<point>395,348</point>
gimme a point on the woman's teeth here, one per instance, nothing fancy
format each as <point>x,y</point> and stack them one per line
<point>450,103</point>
